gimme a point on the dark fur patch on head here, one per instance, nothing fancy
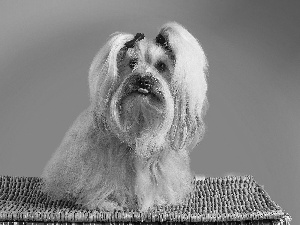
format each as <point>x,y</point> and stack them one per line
<point>137,37</point>
<point>164,42</point>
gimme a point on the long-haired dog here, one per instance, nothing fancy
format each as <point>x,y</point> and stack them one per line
<point>130,148</point>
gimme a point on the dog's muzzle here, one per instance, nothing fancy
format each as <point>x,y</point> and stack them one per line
<point>146,85</point>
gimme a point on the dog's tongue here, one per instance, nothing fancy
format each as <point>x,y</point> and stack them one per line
<point>144,91</point>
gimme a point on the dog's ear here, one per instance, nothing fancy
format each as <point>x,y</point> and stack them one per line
<point>188,83</point>
<point>103,70</point>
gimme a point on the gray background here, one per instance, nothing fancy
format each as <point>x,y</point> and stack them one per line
<point>253,122</point>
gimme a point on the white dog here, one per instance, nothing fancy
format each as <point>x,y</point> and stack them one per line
<point>130,149</point>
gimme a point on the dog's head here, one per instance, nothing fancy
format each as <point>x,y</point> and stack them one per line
<point>151,93</point>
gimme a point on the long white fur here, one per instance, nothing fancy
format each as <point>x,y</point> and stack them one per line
<point>102,162</point>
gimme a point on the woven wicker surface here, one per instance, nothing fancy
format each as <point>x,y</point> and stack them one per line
<point>236,198</point>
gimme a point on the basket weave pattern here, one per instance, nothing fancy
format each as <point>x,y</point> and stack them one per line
<point>234,200</point>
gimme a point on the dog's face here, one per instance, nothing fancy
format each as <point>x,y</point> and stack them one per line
<point>151,93</point>
<point>143,104</point>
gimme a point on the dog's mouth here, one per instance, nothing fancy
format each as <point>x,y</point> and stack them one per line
<point>146,87</point>
<point>155,96</point>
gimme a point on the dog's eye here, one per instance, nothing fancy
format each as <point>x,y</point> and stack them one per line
<point>161,66</point>
<point>133,63</point>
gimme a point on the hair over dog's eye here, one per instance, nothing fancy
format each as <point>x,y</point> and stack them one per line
<point>133,63</point>
<point>161,66</point>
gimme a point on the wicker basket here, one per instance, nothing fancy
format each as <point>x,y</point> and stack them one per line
<point>223,200</point>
